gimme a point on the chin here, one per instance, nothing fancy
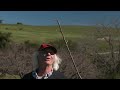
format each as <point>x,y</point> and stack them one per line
<point>48,62</point>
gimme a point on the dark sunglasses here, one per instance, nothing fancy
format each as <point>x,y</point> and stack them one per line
<point>46,51</point>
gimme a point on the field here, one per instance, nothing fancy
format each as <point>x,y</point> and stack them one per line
<point>41,34</point>
<point>44,34</point>
<point>87,38</point>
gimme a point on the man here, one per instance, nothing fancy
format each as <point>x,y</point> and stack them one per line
<point>46,64</point>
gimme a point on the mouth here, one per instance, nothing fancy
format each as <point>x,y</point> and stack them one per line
<point>47,58</point>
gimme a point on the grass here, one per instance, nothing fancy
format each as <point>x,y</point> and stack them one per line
<point>46,33</point>
<point>43,34</point>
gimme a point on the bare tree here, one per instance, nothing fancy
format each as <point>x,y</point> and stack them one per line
<point>109,61</point>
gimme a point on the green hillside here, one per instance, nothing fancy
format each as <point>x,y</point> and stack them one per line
<point>39,34</point>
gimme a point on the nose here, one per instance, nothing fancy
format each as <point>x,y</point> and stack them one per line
<point>48,54</point>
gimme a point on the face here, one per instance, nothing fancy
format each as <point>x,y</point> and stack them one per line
<point>46,56</point>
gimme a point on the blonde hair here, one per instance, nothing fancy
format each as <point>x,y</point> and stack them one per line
<point>56,63</point>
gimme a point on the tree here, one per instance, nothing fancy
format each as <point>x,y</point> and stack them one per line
<point>4,39</point>
<point>19,23</point>
<point>1,21</point>
<point>108,62</point>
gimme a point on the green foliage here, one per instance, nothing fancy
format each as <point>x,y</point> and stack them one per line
<point>4,39</point>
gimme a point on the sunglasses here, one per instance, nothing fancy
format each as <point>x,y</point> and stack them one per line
<point>46,51</point>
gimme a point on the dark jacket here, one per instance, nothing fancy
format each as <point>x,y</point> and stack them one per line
<point>55,75</point>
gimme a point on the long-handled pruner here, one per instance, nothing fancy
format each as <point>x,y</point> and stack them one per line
<point>68,50</point>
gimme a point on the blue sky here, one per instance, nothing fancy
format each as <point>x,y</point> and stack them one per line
<point>65,17</point>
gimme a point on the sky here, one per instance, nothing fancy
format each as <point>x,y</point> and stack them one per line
<point>65,17</point>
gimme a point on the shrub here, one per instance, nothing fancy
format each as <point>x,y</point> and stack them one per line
<point>4,39</point>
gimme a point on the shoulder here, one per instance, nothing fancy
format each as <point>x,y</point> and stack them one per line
<point>57,75</point>
<point>28,76</point>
